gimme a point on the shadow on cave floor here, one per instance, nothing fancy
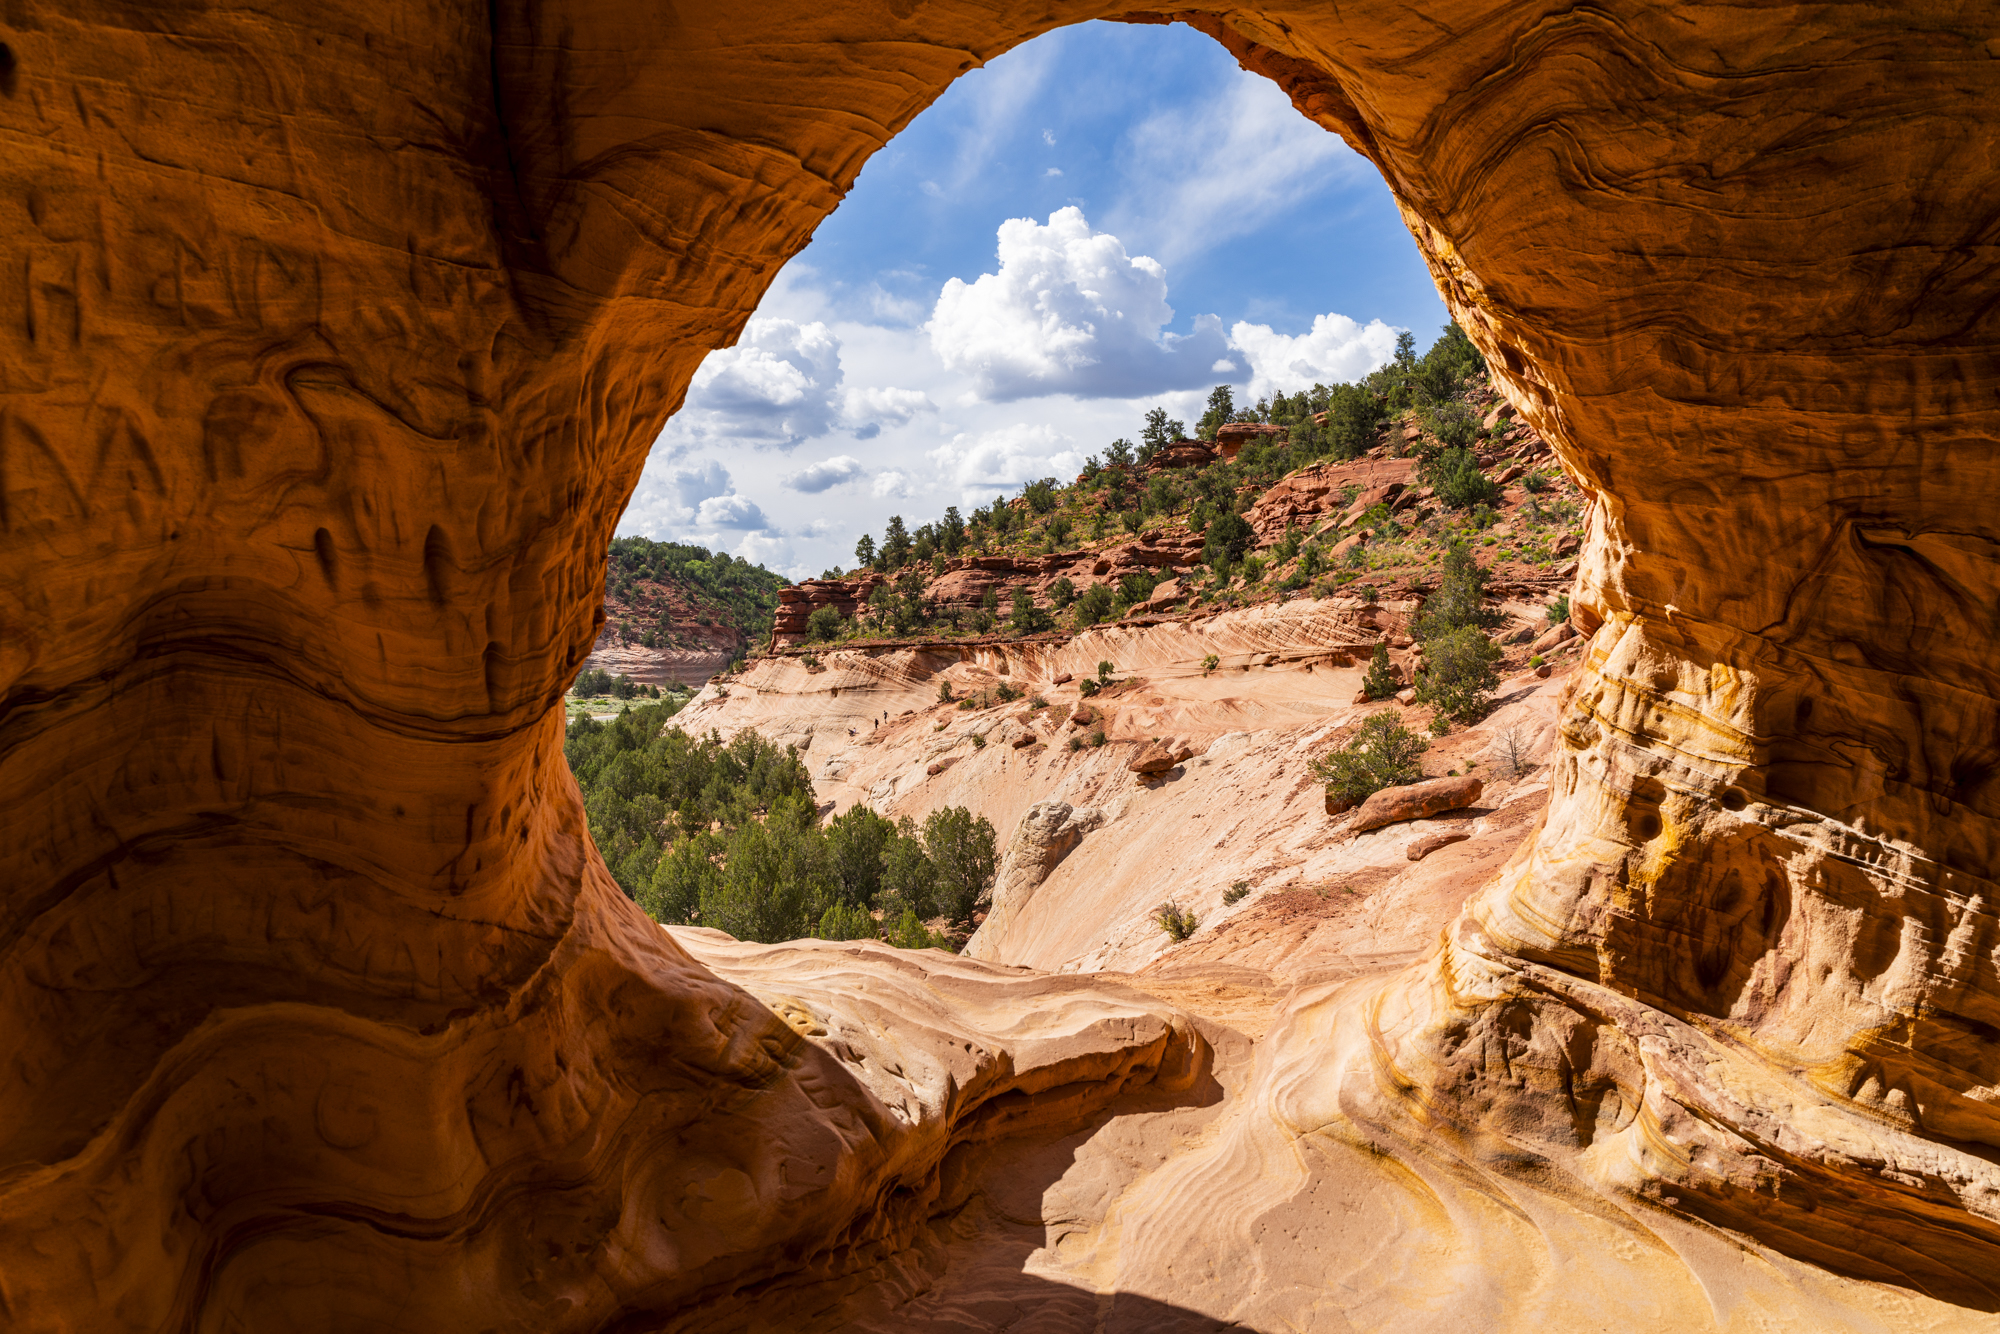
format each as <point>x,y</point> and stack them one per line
<point>1011,1207</point>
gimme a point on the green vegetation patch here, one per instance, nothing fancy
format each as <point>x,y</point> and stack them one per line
<point>724,590</point>
<point>728,835</point>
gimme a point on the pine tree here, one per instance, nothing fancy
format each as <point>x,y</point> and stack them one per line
<point>895,543</point>
<point>1381,681</point>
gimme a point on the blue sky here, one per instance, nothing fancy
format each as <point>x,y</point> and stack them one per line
<point>1109,217</point>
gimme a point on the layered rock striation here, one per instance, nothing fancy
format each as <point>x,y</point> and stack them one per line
<point>337,340</point>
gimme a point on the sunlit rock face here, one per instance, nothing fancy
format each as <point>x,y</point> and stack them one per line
<point>337,339</point>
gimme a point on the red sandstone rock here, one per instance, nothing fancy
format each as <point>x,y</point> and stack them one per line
<point>1551,637</point>
<point>1430,843</point>
<point>1415,801</point>
<point>1157,757</point>
<point>1184,454</point>
<point>1231,438</point>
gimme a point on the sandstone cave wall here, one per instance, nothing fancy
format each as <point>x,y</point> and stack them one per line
<point>337,338</point>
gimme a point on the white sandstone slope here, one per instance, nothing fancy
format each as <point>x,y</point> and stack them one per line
<point>1242,808</point>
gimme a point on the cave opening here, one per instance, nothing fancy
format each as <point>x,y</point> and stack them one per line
<point>1167,221</point>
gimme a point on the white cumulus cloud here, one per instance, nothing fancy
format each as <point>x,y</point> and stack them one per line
<point>885,405</point>
<point>679,499</point>
<point>1068,312</point>
<point>892,485</point>
<point>696,482</point>
<point>1335,349</point>
<point>731,511</point>
<point>817,477</point>
<point>782,384</point>
<point>779,385</point>
<point>1000,462</point>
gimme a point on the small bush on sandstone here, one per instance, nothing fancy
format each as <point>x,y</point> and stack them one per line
<point>1086,687</point>
<point>1460,673</point>
<point>1384,753</point>
<point>846,921</point>
<point>1459,481</point>
<point>1510,752</point>
<point>944,692</point>
<point>1381,680</point>
<point>1237,892</point>
<point>1093,606</point>
<point>823,625</point>
<point>911,934</point>
<point>1209,663</point>
<point>1176,921</point>
<point>1559,609</point>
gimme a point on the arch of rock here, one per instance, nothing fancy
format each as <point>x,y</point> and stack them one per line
<point>334,341</point>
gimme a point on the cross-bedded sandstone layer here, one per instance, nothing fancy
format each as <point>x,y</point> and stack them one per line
<point>336,339</point>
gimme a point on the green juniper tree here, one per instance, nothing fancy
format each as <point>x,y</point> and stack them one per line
<point>1383,753</point>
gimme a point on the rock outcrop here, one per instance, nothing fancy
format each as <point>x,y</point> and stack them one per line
<point>337,341</point>
<point>1047,833</point>
<point>1415,801</point>
<point>1157,757</point>
<point>1230,438</point>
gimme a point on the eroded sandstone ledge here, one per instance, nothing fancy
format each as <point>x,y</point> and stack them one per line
<point>337,341</point>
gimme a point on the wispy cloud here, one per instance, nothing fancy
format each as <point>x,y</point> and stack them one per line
<point>1201,174</point>
<point>999,97</point>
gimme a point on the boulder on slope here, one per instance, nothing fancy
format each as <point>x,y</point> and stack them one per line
<point>1415,801</point>
<point>1157,757</point>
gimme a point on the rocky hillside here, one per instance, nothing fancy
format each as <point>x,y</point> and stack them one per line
<point>679,613</point>
<point>1185,777</point>
<point>1375,526</point>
